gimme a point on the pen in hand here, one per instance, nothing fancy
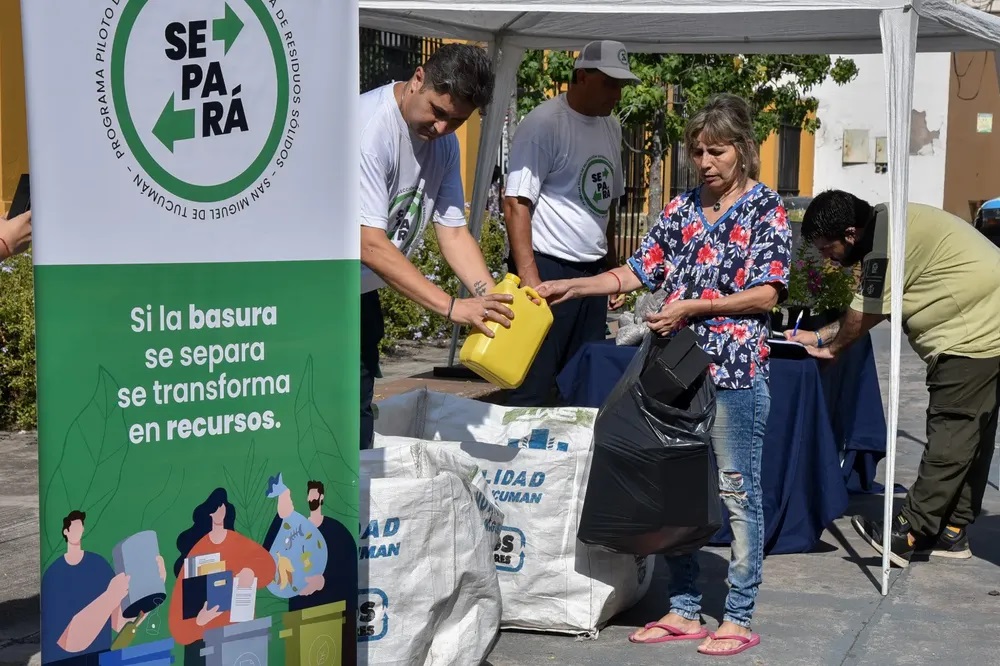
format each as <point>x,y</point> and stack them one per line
<point>798,320</point>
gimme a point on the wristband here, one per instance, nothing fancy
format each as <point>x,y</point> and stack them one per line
<point>819,340</point>
<point>611,273</point>
<point>451,307</point>
<point>6,247</point>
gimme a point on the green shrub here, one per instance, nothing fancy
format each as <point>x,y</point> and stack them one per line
<point>17,344</point>
<point>404,319</point>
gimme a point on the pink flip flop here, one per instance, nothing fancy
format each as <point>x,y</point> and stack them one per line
<point>747,643</point>
<point>673,634</point>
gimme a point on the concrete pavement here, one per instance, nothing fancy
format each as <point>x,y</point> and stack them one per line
<point>818,608</point>
<point>19,576</point>
<point>825,607</point>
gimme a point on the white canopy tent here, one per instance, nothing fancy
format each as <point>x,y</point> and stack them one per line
<point>895,28</point>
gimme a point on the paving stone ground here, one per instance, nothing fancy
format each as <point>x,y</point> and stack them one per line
<point>823,607</point>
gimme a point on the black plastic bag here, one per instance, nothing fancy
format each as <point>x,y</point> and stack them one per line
<point>653,485</point>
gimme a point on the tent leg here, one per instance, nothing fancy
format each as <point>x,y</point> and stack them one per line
<point>899,42</point>
<point>506,60</point>
<point>996,64</point>
<point>454,344</point>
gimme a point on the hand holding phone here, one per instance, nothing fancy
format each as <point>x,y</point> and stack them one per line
<point>15,228</point>
<point>22,198</point>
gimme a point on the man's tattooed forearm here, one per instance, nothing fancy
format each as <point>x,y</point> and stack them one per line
<point>480,288</point>
<point>829,332</point>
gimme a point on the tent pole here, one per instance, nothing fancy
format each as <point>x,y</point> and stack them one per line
<point>899,43</point>
<point>506,60</point>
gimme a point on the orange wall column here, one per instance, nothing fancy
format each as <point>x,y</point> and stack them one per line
<point>807,163</point>
<point>13,113</point>
<point>769,161</point>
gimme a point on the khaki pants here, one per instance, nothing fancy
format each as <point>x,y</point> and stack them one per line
<point>961,434</point>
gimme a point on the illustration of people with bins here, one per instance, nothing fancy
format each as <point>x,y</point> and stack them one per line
<point>331,589</point>
<point>86,600</point>
<point>97,607</point>
<point>218,572</point>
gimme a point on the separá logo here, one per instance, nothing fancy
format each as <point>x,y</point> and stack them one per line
<point>595,184</point>
<point>373,615</point>
<point>204,99</point>
<point>508,556</point>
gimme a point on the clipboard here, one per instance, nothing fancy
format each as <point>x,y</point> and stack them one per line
<point>782,348</point>
<point>22,198</point>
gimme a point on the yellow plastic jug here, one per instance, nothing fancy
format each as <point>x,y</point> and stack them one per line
<point>504,359</point>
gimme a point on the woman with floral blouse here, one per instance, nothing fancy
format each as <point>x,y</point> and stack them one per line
<point>722,252</point>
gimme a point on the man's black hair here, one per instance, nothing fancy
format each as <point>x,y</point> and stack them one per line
<point>70,517</point>
<point>832,212</point>
<point>317,486</point>
<point>462,71</point>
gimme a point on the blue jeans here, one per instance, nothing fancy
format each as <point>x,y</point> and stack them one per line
<point>738,442</point>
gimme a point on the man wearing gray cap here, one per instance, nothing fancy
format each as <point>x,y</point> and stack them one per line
<point>565,173</point>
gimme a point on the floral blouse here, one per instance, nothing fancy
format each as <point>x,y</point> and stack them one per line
<point>750,245</point>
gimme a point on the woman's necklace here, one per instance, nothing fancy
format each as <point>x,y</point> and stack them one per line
<point>717,206</point>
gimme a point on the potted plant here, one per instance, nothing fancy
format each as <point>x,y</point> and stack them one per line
<point>837,288</point>
<point>818,288</point>
<point>803,288</point>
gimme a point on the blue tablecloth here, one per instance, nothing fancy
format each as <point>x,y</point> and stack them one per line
<point>854,403</point>
<point>815,414</point>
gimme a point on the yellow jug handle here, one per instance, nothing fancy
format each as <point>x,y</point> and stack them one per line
<point>533,294</point>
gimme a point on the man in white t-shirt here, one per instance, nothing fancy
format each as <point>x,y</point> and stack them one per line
<point>565,174</point>
<point>410,175</point>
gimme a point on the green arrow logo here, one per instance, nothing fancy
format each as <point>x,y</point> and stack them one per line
<point>174,125</point>
<point>227,29</point>
<point>597,196</point>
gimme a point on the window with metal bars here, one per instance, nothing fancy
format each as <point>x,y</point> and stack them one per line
<point>683,175</point>
<point>390,56</point>
<point>789,144</point>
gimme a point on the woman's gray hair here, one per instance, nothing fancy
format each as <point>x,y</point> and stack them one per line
<point>727,119</point>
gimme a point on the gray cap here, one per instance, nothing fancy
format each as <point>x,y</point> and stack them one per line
<point>606,56</point>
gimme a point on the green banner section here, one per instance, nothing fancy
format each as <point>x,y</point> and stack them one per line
<point>199,481</point>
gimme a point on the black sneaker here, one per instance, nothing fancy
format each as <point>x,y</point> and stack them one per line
<point>871,531</point>
<point>950,545</point>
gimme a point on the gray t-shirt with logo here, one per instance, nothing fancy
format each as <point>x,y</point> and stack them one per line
<point>405,180</point>
<point>569,166</point>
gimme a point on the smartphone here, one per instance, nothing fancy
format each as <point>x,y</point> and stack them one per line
<point>22,198</point>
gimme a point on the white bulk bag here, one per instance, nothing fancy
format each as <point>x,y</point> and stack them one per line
<point>428,591</point>
<point>536,463</point>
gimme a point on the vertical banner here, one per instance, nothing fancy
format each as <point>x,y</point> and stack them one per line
<point>194,187</point>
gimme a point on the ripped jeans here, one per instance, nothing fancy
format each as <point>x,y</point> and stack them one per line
<point>738,442</point>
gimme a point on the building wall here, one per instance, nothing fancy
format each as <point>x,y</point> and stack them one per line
<point>769,161</point>
<point>13,113</point>
<point>468,140</point>
<point>861,105</point>
<point>973,157</point>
